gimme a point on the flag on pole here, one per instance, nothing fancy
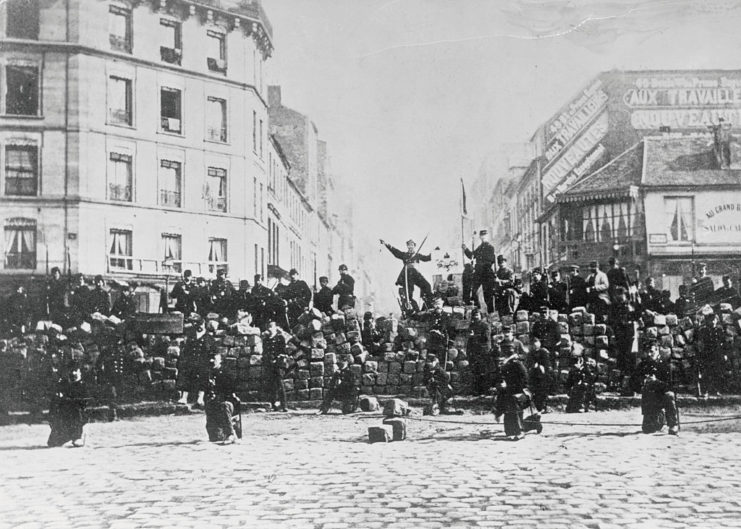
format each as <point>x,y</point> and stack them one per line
<point>464,210</point>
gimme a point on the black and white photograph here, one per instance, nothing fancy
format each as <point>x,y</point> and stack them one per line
<point>370,264</point>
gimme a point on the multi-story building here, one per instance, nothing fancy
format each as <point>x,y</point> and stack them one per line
<point>134,136</point>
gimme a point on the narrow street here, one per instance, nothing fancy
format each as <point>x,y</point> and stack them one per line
<point>308,471</point>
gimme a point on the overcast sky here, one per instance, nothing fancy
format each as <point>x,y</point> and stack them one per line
<point>411,95</point>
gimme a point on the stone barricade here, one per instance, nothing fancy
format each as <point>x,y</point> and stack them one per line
<point>29,365</point>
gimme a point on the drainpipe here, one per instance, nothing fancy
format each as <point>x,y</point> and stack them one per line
<point>67,258</point>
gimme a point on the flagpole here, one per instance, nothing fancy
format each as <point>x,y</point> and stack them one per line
<point>462,206</point>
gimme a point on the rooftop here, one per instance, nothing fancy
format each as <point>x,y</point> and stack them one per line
<point>245,8</point>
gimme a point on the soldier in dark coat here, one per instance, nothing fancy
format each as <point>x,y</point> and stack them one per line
<point>617,276</point>
<point>580,383</point>
<point>275,364</point>
<point>467,281</point>
<point>683,306</point>
<point>56,290</point>
<point>221,293</point>
<point>727,294</point>
<point>577,289</point>
<point>711,355</point>
<point>342,387</point>
<point>242,299</point>
<point>67,416</point>
<point>410,277</point>
<point>202,297</point>
<point>512,395</point>
<point>125,305</point>
<point>538,290</point>
<point>195,361</point>
<point>546,330</point>
<point>483,274</point>
<point>184,293</point>
<point>440,327</point>
<point>112,367</point>
<point>324,298</point>
<point>80,301</point>
<point>298,296</point>
<point>100,299</point>
<point>653,379</point>
<point>702,286</point>
<point>345,289</point>
<point>509,345</point>
<point>478,349</point>
<point>540,374</point>
<point>17,312</point>
<point>651,296</point>
<point>623,318</point>
<point>557,293</point>
<point>437,381</point>
<point>505,298</point>
<point>221,404</point>
<point>265,301</point>
<point>370,336</point>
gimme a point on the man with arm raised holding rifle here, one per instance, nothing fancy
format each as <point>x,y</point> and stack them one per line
<point>409,277</point>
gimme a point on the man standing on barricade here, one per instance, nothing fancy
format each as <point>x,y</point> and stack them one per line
<point>557,293</point>
<point>653,378</point>
<point>623,318</point>
<point>597,290</point>
<point>702,286</point>
<point>80,301</point>
<point>56,290</point>
<point>577,289</point>
<point>505,296</point>
<point>100,299</point>
<point>345,289</point>
<point>125,305</point>
<point>298,297</point>
<point>617,277</point>
<point>483,274</point>
<point>221,293</point>
<point>184,294</point>
<point>324,297</point>
<point>409,277</point>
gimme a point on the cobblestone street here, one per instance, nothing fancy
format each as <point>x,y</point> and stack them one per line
<point>302,470</point>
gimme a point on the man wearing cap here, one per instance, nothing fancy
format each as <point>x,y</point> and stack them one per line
<point>16,311</point>
<point>125,305</point>
<point>342,387</point>
<point>509,345</point>
<point>651,296</point>
<point>194,363</point>
<point>546,330</point>
<point>345,289</point>
<point>483,274</point>
<point>409,277</point>
<point>221,404</point>
<point>617,277</point>
<point>437,381</point>
<point>324,298</point>
<point>184,294</point>
<point>67,416</point>
<point>264,299</point>
<point>577,289</point>
<point>56,289</point>
<point>505,297</point>
<point>100,299</point>
<point>597,290</point>
<point>80,301</point>
<point>275,364</point>
<point>653,379</point>
<point>440,327</point>
<point>557,292</point>
<point>467,282</point>
<point>702,285</point>
<point>298,296</point>
<point>511,395</point>
<point>242,299</point>
<point>623,318</point>
<point>221,293</point>
<point>711,356</point>
<point>478,349</point>
<point>538,290</point>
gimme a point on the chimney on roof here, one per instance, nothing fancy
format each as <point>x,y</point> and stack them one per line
<point>274,96</point>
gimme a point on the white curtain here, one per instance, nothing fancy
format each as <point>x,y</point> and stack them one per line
<point>120,243</point>
<point>172,247</point>
<point>170,178</point>
<point>217,250</point>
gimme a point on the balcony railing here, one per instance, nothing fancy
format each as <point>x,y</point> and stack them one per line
<point>120,43</point>
<point>120,262</point>
<point>216,65</point>
<point>171,55</point>
<point>216,203</point>
<point>156,267</point>
<point>120,193</point>
<point>171,125</point>
<point>20,186</point>
<point>120,116</point>
<point>585,251</point>
<point>20,261</point>
<point>169,198</point>
<point>216,134</point>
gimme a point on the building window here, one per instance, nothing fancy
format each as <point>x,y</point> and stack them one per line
<point>120,250</point>
<point>21,170</point>
<point>170,184</point>
<point>119,101</point>
<point>254,131</point>
<point>216,119</point>
<point>216,189</point>
<point>119,28</point>
<point>613,222</point>
<point>217,257</point>
<point>170,110</point>
<point>119,177</point>
<point>20,244</point>
<point>216,51</point>
<point>254,197</point>
<point>22,19</point>
<point>679,214</point>
<point>171,50</point>
<point>22,90</point>
<point>262,203</point>
<point>261,134</point>
<point>173,251</point>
